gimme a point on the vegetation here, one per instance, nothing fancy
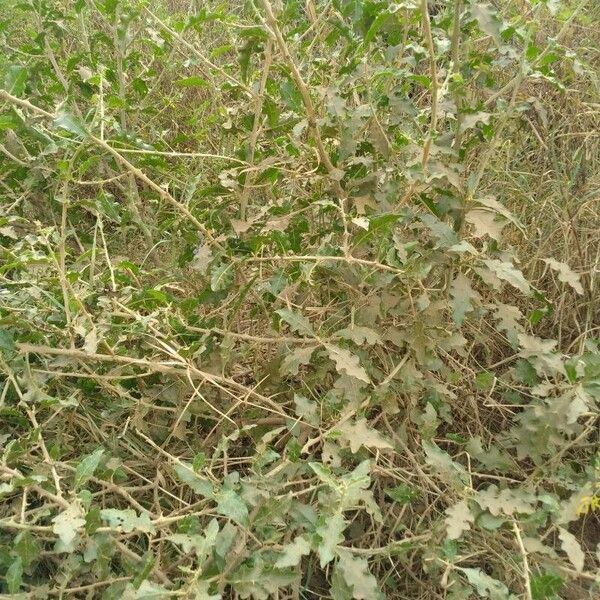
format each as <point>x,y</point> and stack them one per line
<point>299,299</point>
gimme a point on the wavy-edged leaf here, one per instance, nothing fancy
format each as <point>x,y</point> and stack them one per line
<point>565,274</point>
<point>509,273</point>
<point>346,362</point>
<point>459,520</point>
<point>293,553</point>
<point>358,433</point>
<point>296,321</point>
<point>127,520</point>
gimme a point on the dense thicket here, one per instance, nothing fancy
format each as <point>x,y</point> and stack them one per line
<point>299,299</point>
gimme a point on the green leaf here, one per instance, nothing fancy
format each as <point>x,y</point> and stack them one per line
<point>404,494</point>
<point>546,587</point>
<point>201,545</point>
<point>7,343</point>
<point>221,276</point>
<point>107,206</point>
<point>193,81</point>
<point>259,581</point>
<point>484,380</point>
<point>86,468</point>
<point>291,96</point>
<point>231,505</point>
<point>70,123</point>
<point>27,547</point>
<point>15,79</point>
<point>14,576</point>
<point>144,569</point>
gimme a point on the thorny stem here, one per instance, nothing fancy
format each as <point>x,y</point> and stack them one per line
<point>335,174</point>
<point>260,99</point>
<point>434,83</point>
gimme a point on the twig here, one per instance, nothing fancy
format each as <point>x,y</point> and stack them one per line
<point>174,154</point>
<point>517,531</point>
<point>181,369</point>
<point>318,259</point>
<point>260,100</point>
<point>391,547</point>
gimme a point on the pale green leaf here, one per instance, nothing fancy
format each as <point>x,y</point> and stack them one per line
<point>202,258</point>
<point>292,360</point>
<point>296,322</point>
<point>486,586</point>
<point>443,464</point>
<point>487,19</point>
<point>358,433</point>
<point>324,473</point>
<point>507,272</point>
<point>459,520</point>
<point>463,298</point>
<point>485,222</point>
<point>293,553</point>
<point>306,409</point>
<point>186,474</point>
<point>86,467</point>
<point>346,362</point>
<point>146,591</point>
<point>565,274</point>
<point>572,548</point>
<point>509,317</point>
<point>470,120</point>
<point>359,335</point>
<point>67,524</point>
<point>331,533</point>
<point>508,501</point>
<point>355,571</point>
<point>231,505</point>
<point>221,277</point>
<point>127,520</point>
